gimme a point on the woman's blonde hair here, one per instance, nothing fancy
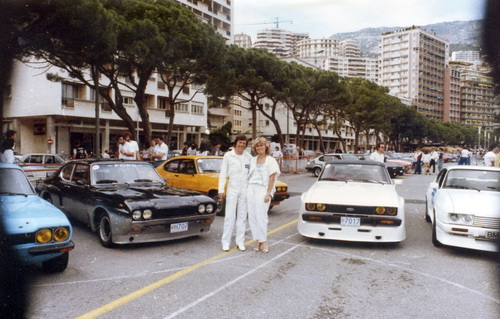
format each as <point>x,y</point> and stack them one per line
<point>261,140</point>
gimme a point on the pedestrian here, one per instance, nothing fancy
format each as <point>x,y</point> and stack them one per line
<point>440,160</point>
<point>264,171</point>
<point>128,137</point>
<point>489,158</point>
<point>202,151</point>
<point>185,148</point>
<point>7,151</point>
<point>234,173</point>
<point>79,151</point>
<point>216,150</point>
<point>160,152</point>
<point>426,159</point>
<point>378,155</point>
<point>418,161</point>
<point>277,153</point>
<point>434,159</point>
<point>125,150</point>
<point>465,155</point>
<point>193,149</point>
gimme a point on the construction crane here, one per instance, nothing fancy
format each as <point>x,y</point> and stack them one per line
<point>276,21</point>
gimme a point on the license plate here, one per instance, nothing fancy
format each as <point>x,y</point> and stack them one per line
<point>350,221</point>
<point>491,235</point>
<point>179,227</point>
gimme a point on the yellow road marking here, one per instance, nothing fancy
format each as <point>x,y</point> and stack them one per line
<point>160,283</point>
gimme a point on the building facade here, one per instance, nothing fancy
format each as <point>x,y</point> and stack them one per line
<point>216,13</point>
<point>353,67</point>
<point>279,42</point>
<point>243,40</point>
<point>413,65</point>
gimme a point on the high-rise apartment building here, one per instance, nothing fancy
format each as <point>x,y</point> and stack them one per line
<point>216,13</point>
<point>413,65</point>
<point>280,42</point>
<point>243,40</point>
<point>353,67</point>
<point>466,56</point>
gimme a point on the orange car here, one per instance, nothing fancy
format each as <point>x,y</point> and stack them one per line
<point>201,173</point>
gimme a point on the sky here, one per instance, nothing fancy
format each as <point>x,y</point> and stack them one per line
<point>322,18</point>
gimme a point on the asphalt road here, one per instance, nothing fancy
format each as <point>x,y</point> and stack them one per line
<point>298,278</point>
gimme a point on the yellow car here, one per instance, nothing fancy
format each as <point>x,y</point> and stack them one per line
<point>201,173</point>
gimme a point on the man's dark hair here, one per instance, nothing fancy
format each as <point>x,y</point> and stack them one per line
<point>378,145</point>
<point>10,133</point>
<point>492,146</point>
<point>127,134</point>
<point>240,137</point>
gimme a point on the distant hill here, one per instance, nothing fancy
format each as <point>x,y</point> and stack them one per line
<point>463,35</point>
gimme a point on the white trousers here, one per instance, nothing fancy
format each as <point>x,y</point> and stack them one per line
<point>257,211</point>
<point>236,213</point>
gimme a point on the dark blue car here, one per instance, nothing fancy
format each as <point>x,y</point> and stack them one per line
<point>38,231</point>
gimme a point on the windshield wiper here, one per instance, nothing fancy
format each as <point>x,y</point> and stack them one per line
<point>106,181</point>
<point>368,181</point>
<point>463,187</point>
<point>143,180</point>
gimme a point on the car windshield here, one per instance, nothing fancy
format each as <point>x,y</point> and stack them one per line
<point>355,173</point>
<point>209,165</point>
<point>14,182</point>
<point>473,179</point>
<point>123,173</point>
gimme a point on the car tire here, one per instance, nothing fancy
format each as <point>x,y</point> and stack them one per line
<point>58,264</point>
<point>221,205</point>
<point>427,217</point>
<point>317,171</point>
<point>48,198</point>
<point>104,231</point>
<point>435,241</point>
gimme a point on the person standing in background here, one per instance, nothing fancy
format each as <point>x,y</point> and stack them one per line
<point>79,151</point>
<point>125,150</point>
<point>418,161</point>
<point>128,138</point>
<point>160,152</point>
<point>434,160</point>
<point>378,155</point>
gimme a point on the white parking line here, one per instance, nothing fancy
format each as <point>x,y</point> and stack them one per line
<point>232,282</point>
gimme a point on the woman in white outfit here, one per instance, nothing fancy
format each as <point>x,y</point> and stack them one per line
<point>264,171</point>
<point>234,171</point>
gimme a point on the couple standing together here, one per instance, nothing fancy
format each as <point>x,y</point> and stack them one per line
<point>250,188</point>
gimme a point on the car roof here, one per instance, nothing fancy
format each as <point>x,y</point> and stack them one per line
<point>7,165</point>
<point>356,162</point>
<point>104,160</point>
<point>194,157</point>
<point>476,168</point>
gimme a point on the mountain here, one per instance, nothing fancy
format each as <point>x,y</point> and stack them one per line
<point>463,35</point>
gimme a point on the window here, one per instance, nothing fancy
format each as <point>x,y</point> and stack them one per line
<point>181,107</point>
<point>267,122</point>
<point>127,100</point>
<point>173,166</point>
<point>69,94</point>
<point>162,103</point>
<point>185,90</point>
<point>196,109</point>
<point>161,86</point>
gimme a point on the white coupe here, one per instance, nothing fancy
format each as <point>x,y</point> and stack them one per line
<point>463,205</point>
<point>353,201</point>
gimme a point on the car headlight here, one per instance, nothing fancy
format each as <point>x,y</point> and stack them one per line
<point>209,208</point>
<point>43,236</point>
<point>147,214</point>
<point>201,209</point>
<point>380,210</point>
<point>61,234</point>
<point>466,219</point>
<point>136,214</point>
<point>315,206</point>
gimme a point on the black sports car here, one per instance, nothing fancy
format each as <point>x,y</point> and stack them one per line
<point>127,202</point>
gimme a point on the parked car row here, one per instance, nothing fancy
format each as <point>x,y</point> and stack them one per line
<point>357,201</point>
<point>395,167</point>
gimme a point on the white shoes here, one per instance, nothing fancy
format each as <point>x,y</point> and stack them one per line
<point>241,247</point>
<point>225,248</point>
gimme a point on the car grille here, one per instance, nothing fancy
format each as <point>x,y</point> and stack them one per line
<point>348,209</point>
<point>487,222</point>
<point>175,212</point>
<point>19,239</point>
